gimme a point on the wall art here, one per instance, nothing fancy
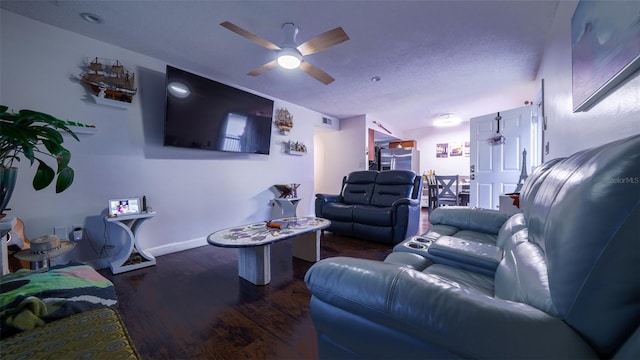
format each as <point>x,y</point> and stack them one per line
<point>605,45</point>
<point>442,150</point>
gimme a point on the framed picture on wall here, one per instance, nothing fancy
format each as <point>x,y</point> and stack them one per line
<point>455,149</point>
<point>442,150</point>
<point>605,48</point>
<point>467,149</point>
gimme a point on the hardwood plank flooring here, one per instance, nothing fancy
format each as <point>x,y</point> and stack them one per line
<point>193,305</point>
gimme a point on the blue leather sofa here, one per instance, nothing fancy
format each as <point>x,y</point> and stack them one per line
<point>565,281</point>
<point>381,206</point>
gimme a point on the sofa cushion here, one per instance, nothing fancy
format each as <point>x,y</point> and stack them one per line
<point>480,220</point>
<point>382,234</point>
<point>338,212</point>
<point>522,277</point>
<point>373,215</point>
<point>358,187</point>
<point>393,185</point>
<point>515,224</point>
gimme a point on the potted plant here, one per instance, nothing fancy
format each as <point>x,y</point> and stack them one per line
<point>31,135</point>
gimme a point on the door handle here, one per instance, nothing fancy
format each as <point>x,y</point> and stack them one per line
<point>473,176</point>
<point>473,168</point>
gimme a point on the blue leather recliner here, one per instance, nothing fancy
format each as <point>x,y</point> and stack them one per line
<point>381,206</point>
<point>559,280</point>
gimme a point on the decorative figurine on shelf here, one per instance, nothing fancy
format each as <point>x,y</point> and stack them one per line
<point>523,173</point>
<point>284,121</point>
<point>287,190</point>
<point>294,188</point>
<point>297,146</point>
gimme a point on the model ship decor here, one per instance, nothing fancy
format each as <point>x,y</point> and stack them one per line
<point>110,82</point>
<point>284,121</point>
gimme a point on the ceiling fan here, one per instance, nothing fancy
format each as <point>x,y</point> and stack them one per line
<point>289,54</point>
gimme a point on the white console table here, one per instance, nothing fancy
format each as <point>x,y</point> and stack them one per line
<point>132,256</point>
<point>284,207</point>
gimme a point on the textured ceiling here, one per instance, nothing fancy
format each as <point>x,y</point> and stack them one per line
<point>433,57</point>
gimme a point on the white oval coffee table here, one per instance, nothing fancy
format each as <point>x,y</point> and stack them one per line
<point>254,244</point>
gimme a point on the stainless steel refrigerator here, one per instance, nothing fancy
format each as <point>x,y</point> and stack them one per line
<point>400,159</point>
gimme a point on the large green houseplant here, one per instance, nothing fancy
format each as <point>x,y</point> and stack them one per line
<point>31,135</point>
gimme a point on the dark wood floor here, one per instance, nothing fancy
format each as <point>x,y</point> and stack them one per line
<point>193,305</point>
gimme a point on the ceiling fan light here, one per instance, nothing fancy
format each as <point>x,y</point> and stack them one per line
<point>289,58</point>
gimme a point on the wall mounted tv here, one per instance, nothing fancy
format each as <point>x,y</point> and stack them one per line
<point>204,114</point>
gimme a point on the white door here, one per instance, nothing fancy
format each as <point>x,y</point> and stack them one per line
<point>495,169</point>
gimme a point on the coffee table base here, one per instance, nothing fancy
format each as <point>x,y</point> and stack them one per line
<point>254,263</point>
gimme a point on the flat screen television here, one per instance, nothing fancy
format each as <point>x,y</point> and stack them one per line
<point>204,114</point>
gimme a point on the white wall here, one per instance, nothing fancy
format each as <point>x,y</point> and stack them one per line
<point>194,192</point>
<point>615,117</point>
<point>342,152</point>
<point>427,139</point>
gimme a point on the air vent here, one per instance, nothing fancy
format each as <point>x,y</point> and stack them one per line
<point>327,121</point>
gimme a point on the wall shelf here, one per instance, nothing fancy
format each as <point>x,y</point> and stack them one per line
<point>294,152</point>
<point>122,105</point>
<point>83,129</point>
<point>295,148</point>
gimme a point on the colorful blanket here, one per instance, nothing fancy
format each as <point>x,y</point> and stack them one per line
<point>29,299</point>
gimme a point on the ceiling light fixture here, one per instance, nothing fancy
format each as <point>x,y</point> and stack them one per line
<point>289,58</point>
<point>92,18</point>
<point>376,79</point>
<point>448,119</point>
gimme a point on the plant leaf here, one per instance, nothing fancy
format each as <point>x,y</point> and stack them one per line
<point>49,133</point>
<point>44,176</point>
<point>65,179</point>
<point>53,147</point>
<point>63,157</point>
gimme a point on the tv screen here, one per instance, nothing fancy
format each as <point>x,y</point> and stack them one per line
<point>204,114</point>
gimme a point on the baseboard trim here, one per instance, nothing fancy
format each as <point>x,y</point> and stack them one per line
<point>176,247</point>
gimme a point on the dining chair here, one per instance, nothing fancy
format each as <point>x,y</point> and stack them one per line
<point>448,190</point>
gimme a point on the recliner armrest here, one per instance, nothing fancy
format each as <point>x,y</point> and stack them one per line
<point>329,197</point>
<point>406,201</point>
<point>465,251</point>
<point>440,311</point>
<point>482,220</point>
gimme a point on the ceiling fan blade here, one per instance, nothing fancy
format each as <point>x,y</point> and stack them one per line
<point>264,68</point>
<point>323,41</point>
<point>316,73</point>
<point>253,37</point>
